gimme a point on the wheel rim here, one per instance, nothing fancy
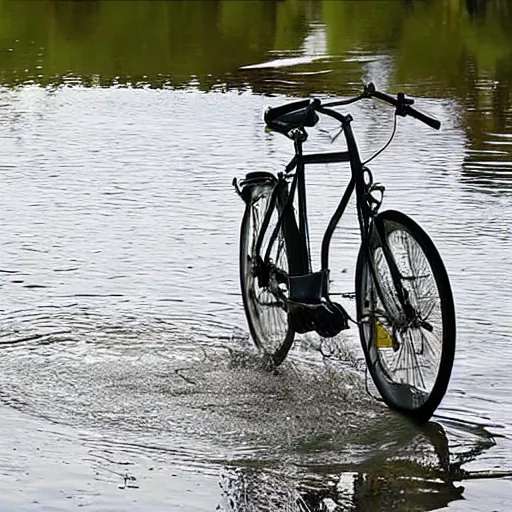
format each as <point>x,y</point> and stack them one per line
<point>267,318</point>
<point>408,369</point>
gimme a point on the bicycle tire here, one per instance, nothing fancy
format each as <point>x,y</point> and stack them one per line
<point>268,322</point>
<point>429,291</point>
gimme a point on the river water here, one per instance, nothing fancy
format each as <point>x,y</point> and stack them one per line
<point>128,380</point>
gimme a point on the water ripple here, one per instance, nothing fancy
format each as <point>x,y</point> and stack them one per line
<point>122,318</point>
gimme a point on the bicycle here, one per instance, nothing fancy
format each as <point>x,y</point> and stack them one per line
<point>404,303</point>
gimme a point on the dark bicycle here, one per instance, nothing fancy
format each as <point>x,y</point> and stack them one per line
<point>404,303</point>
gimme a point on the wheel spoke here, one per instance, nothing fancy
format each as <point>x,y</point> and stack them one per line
<point>415,363</point>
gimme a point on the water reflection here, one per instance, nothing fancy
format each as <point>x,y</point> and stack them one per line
<point>459,50</point>
<point>413,471</point>
<point>75,20</point>
<point>207,41</point>
<point>138,42</point>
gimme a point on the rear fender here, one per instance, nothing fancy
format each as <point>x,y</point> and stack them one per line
<point>254,185</point>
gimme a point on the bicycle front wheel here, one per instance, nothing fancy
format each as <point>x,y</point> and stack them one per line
<point>264,290</point>
<point>409,355</point>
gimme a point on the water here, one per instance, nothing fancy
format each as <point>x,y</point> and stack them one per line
<point>127,377</point>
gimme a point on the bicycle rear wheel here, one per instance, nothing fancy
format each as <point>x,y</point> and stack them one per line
<point>410,361</point>
<point>264,289</point>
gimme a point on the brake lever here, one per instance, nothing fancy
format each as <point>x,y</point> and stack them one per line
<point>403,103</point>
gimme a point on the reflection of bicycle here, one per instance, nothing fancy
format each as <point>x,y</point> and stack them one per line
<point>409,470</point>
<point>404,302</point>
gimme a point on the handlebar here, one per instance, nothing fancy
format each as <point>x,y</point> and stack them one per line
<point>303,112</point>
<point>403,106</point>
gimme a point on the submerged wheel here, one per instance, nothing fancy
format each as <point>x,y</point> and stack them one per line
<point>263,296</point>
<point>410,361</point>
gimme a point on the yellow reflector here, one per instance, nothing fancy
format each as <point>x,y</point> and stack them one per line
<point>383,338</point>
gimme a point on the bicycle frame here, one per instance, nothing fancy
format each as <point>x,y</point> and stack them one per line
<point>364,211</point>
<point>298,163</point>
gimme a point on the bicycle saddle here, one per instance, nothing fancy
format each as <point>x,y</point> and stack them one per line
<point>293,115</point>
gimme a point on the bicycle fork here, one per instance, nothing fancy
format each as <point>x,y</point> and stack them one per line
<point>410,316</point>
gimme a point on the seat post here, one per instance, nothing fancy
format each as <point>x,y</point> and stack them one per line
<point>299,138</point>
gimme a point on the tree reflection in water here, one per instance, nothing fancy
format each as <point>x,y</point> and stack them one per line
<point>459,50</point>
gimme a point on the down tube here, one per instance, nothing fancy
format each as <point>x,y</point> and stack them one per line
<point>326,241</point>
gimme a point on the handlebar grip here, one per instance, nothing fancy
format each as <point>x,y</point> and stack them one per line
<point>273,113</point>
<point>420,116</point>
<point>424,118</point>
